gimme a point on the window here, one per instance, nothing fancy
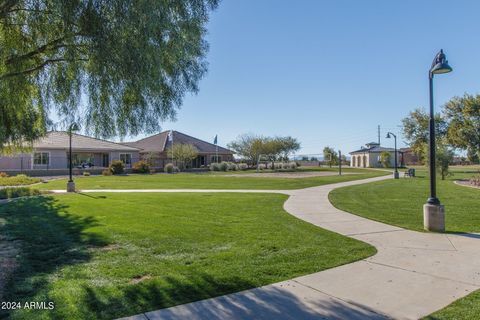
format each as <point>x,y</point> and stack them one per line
<point>214,159</point>
<point>79,159</point>
<point>41,158</point>
<point>126,158</point>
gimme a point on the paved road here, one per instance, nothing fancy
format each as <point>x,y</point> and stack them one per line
<point>412,275</point>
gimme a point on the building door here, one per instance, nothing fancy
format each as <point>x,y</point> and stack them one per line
<point>105,160</point>
<point>198,162</point>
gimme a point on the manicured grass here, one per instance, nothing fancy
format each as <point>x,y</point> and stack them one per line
<point>467,308</point>
<point>203,181</point>
<point>18,180</point>
<point>111,255</point>
<point>400,202</point>
<point>459,172</point>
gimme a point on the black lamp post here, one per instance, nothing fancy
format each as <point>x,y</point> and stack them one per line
<point>433,211</point>
<point>395,173</point>
<point>339,162</point>
<point>71,184</point>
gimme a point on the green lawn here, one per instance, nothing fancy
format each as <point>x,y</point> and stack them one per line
<point>467,308</point>
<point>400,202</point>
<point>112,255</point>
<point>203,181</point>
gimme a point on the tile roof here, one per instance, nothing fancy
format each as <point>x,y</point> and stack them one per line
<point>60,140</point>
<point>374,149</point>
<point>159,143</point>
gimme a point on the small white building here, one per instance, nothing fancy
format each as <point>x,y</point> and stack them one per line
<point>369,156</point>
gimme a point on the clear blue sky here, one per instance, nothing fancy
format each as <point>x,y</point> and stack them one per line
<point>328,72</point>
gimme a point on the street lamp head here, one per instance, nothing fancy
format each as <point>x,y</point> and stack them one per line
<point>440,64</point>
<point>73,127</point>
<point>389,135</point>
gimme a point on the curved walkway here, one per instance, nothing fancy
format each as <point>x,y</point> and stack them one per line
<point>412,275</point>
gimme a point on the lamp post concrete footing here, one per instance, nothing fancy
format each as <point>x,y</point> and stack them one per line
<point>434,217</point>
<point>396,175</point>
<point>70,186</point>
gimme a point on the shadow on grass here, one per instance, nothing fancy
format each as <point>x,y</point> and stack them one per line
<point>273,302</point>
<point>49,238</point>
<point>91,196</point>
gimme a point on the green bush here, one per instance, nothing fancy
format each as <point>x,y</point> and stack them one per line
<point>9,193</point>
<point>214,166</point>
<point>385,157</point>
<point>223,166</point>
<point>170,168</point>
<point>242,166</point>
<point>475,180</point>
<point>278,166</point>
<point>18,180</point>
<point>141,167</point>
<point>86,173</point>
<point>107,172</point>
<point>232,166</point>
<point>262,166</point>
<point>117,167</point>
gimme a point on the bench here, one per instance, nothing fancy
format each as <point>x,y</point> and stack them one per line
<point>409,173</point>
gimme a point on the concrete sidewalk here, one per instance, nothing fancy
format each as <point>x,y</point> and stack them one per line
<point>412,275</point>
<point>289,192</point>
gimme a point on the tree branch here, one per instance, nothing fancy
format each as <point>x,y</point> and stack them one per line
<point>32,53</point>
<point>53,45</point>
<point>38,67</point>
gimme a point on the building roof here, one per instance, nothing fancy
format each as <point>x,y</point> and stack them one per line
<point>159,143</point>
<point>60,140</point>
<point>374,149</point>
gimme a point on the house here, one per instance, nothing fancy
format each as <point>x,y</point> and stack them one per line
<point>50,155</point>
<point>409,157</point>
<point>154,149</point>
<point>369,156</point>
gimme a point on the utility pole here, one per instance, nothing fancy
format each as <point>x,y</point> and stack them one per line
<point>378,134</point>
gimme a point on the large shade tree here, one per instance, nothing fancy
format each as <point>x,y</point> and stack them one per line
<point>330,156</point>
<point>251,147</point>
<point>416,131</point>
<point>248,146</point>
<point>129,63</point>
<point>463,115</point>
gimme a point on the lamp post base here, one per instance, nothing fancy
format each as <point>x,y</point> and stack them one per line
<point>434,217</point>
<point>396,175</point>
<point>70,186</point>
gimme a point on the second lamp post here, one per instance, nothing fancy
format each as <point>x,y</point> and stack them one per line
<point>395,173</point>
